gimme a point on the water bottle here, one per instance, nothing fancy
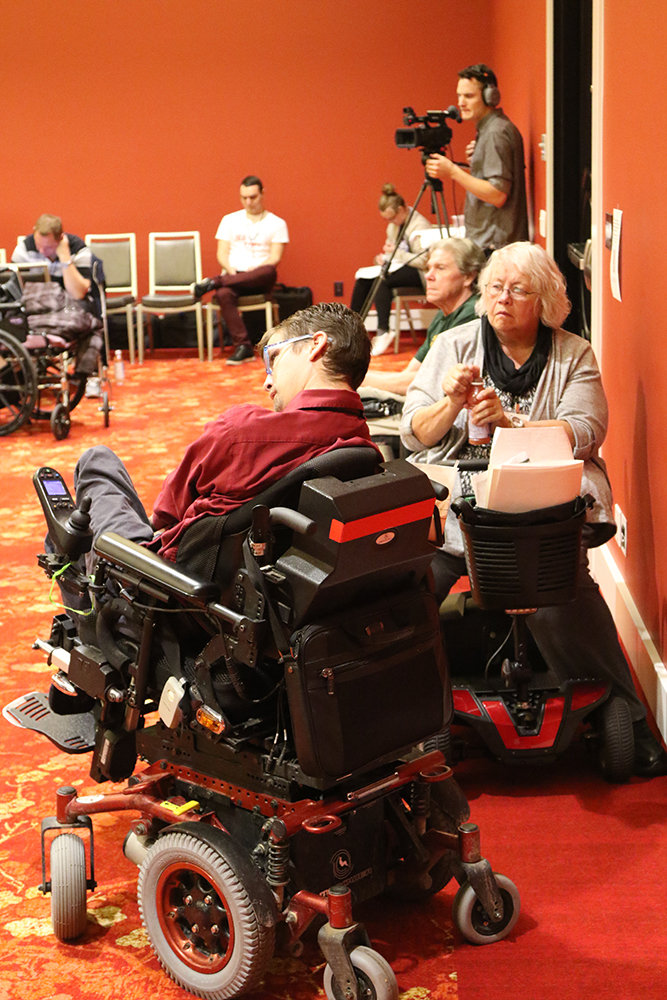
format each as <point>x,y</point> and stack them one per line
<point>477,433</point>
<point>118,368</point>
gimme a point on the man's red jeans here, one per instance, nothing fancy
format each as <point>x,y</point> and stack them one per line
<point>232,286</point>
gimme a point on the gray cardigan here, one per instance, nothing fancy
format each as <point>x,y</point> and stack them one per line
<point>570,388</point>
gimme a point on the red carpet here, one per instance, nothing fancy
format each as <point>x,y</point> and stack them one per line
<point>589,858</point>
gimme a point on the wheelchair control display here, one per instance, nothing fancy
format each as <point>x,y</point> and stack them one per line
<point>68,527</point>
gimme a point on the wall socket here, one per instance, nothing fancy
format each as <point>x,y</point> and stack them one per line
<point>621,529</point>
<point>338,289</point>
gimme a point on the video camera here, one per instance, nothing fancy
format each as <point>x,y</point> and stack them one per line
<point>429,132</point>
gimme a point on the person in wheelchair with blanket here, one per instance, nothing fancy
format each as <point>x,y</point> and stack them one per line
<point>65,306</point>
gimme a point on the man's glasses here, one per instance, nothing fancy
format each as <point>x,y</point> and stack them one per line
<point>271,351</point>
<point>495,290</point>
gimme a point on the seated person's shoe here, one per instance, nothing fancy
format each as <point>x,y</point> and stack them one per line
<point>650,756</point>
<point>243,352</point>
<point>381,343</point>
<point>202,287</point>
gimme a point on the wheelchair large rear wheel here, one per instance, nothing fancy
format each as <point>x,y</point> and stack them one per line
<point>448,809</point>
<point>18,384</point>
<point>200,918</point>
<point>68,886</point>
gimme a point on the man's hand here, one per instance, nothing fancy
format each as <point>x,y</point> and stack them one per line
<point>470,149</point>
<point>439,166</point>
<point>63,251</point>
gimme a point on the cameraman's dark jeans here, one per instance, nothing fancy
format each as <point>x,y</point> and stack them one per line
<point>577,640</point>
<point>405,277</point>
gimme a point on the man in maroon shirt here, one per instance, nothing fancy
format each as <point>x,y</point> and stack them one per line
<point>315,360</point>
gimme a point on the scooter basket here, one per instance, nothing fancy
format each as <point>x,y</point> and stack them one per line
<point>525,560</point>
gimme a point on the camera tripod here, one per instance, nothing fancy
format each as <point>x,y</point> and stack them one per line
<point>438,208</point>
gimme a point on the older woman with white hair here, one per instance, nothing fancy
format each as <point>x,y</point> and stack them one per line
<point>533,373</point>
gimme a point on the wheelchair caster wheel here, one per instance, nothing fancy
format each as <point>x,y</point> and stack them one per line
<point>60,422</point>
<point>472,920</point>
<point>105,407</point>
<point>68,887</point>
<point>375,977</point>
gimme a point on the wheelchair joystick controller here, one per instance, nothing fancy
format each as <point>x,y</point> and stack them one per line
<point>68,526</point>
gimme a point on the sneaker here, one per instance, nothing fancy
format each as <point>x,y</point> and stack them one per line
<point>381,343</point>
<point>201,288</point>
<point>243,352</point>
<point>93,388</point>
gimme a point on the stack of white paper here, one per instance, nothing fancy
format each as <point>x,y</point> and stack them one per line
<point>529,468</point>
<point>443,474</point>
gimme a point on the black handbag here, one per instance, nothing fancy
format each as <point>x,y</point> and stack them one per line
<point>364,685</point>
<point>291,300</point>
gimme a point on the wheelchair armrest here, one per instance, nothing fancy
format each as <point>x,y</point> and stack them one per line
<point>128,555</point>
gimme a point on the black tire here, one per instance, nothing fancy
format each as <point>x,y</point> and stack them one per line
<point>68,887</point>
<point>18,384</point>
<point>471,919</point>
<point>375,977</point>
<point>200,918</point>
<point>60,422</point>
<point>443,742</point>
<point>77,388</point>
<point>617,741</point>
<point>105,407</point>
<point>448,809</point>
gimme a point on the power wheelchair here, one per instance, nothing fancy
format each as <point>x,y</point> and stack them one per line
<point>279,697</point>
<point>40,365</point>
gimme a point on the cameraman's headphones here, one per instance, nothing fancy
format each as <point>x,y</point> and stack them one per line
<point>485,76</point>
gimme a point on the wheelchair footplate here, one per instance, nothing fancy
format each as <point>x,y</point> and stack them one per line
<point>71,733</point>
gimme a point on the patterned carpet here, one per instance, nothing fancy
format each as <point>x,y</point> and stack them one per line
<point>589,859</point>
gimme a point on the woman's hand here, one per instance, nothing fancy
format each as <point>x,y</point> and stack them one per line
<point>457,383</point>
<point>488,409</point>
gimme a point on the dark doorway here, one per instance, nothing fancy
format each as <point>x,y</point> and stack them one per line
<point>573,40</point>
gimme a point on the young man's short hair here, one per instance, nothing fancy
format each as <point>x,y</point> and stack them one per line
<point>252,181</point>
<point>348,352</point>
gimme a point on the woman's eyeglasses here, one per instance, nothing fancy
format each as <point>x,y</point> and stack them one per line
<point>495,290</point>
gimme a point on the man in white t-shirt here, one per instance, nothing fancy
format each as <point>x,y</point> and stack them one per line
<point>250,245</point>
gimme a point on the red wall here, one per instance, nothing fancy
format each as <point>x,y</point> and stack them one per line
<point>519,43</point>
<point>634,344</point>
<point>144,116</point>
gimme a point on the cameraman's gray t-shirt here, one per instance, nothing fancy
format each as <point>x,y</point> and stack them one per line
<point>498,158</point>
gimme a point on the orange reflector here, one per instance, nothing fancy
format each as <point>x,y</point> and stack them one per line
<point>210,719</point>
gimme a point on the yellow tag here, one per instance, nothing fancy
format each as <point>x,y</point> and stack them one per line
<point>179,810</point>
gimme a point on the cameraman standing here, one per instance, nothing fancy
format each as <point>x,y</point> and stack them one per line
<point>495,205</point>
